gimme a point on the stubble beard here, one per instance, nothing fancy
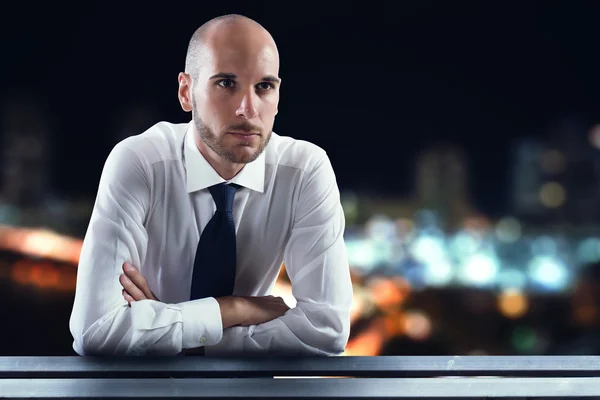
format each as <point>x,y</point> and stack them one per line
<point>216,144</point>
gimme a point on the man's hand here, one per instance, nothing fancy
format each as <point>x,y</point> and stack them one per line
<point>135,286</point>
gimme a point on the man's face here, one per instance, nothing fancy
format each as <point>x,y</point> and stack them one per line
<point>235,96</point>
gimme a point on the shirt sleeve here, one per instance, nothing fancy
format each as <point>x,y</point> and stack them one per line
<point>317,264</point>
<point>101,321</point>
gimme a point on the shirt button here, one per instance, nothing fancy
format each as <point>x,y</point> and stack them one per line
<point>203,339</point>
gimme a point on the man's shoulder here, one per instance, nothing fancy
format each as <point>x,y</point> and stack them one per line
<point>161,142</point>
<point>294,153</point>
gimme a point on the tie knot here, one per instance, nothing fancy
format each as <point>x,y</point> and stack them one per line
<point>223,195</point>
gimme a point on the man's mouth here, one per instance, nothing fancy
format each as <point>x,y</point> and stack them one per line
<point>244,135</point>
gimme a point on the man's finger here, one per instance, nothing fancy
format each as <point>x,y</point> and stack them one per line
<point>131,288</point>
<point>138,279</point>
<point>127,297</point>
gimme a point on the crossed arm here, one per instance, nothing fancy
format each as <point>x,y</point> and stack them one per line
<point>235,310</point>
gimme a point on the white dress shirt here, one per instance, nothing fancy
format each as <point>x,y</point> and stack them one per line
<point>153,203</point>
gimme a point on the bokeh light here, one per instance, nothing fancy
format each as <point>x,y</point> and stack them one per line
<point>553,194</point>
<point>512,303</point>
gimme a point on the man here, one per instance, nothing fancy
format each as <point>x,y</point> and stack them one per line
<point>192,222</point>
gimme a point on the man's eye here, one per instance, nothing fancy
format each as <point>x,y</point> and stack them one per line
<point>265,86</point>
<point>226,83</point>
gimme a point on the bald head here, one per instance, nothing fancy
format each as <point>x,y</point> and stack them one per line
<point>234,31</point>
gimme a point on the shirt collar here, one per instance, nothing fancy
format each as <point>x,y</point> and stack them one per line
<point>201,175</point>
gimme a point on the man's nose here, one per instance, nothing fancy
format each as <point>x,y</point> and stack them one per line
<point>247,108</point>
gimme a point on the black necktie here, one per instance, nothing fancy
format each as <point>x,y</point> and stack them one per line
<point>214,266</point>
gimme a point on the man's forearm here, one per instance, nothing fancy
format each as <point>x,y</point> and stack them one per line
<point>291,334</point>
<point>230,311</point>
<point>117,334</point>
<point>148,327</point>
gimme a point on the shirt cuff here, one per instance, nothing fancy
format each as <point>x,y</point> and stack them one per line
<point>202,324</point>
<point>232,342</point>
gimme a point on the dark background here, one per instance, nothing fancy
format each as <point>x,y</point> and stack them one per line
<point>371,82</point>
<point>374,83</point>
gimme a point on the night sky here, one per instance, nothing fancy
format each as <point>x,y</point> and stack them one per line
<point>371,82</point>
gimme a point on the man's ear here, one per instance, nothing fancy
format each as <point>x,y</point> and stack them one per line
<point>185,91</point>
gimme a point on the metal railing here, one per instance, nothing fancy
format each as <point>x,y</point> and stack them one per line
<point>386,377</point>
